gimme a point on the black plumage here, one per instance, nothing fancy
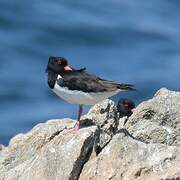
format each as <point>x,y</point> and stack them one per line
<point>82,81</point>
<point>125,107</point>
<point>79,79</point>
<point>52,77</point>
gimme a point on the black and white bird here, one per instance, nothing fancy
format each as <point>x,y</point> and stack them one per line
<point>78,86</point>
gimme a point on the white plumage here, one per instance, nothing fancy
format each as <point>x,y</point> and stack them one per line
<point>80,97</point>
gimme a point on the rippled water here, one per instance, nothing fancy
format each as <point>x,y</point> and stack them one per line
<point>125,40</point>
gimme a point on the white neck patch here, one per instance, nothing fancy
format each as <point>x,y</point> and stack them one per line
<point>59,77</point>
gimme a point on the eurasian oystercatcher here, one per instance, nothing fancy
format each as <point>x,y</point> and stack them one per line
<point>125,107</point>
<point>78,86</point>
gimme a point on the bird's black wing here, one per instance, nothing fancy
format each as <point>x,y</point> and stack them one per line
<point>82,81</point>
<point>122,86</point>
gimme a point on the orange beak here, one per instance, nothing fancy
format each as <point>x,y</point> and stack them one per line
<point>67,68</point>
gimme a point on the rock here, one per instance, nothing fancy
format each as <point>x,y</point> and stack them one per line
<point>47,153</point>
<point>1,146</point>
<point>104,115</point>
<point>126,158</point>
<point>144,146</point>
<point>149,148</point>
<point>157,120</point>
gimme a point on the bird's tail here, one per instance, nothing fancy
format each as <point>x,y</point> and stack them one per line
<point>126,87</point>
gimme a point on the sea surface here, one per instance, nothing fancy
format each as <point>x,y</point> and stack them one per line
<point>127,41</point>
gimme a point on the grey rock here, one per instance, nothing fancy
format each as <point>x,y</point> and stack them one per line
<point>125,158</point>
<point>1,146</point>
<point>158,119</point>
<point>47,152</point>
<point>104,115</point>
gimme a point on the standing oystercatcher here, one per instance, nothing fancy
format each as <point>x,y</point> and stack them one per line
<point>78,86</point>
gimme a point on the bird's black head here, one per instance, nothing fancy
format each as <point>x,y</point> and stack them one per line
<point>125,107</point>
<point>127,103</point>
<point>57,65</point>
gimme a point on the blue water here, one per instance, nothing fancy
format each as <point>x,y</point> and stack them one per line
<point>127,41</point>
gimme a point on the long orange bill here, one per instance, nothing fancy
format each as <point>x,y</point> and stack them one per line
<point>67,68</point>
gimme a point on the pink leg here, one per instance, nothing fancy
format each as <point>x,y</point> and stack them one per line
<point>77,125</point>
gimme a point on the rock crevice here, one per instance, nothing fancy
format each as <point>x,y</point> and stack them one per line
<point>84,156</point>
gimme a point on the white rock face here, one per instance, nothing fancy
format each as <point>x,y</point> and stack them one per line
<point>157,120</point>
<point>126,158</point>
<point>47,152</point>
<point>146,147</point>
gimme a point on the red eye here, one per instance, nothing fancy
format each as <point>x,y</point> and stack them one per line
<point>126,105</point>
<point>57,62</point>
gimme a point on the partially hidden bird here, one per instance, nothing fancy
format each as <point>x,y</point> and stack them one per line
<point>77,86</point>
<point>125,107</point>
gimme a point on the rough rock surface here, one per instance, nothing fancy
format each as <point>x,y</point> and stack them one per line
<point>126,158</point>
<point>47,152</point>
<point>104,115</point>
<point>157,120</point>
<point>143,146</point>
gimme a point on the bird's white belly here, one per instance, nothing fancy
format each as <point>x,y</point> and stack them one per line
<point>79,97</point>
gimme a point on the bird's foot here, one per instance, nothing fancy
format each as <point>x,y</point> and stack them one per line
<point>133,110</point>
<point>77,126</point>
<point>73,129</point>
